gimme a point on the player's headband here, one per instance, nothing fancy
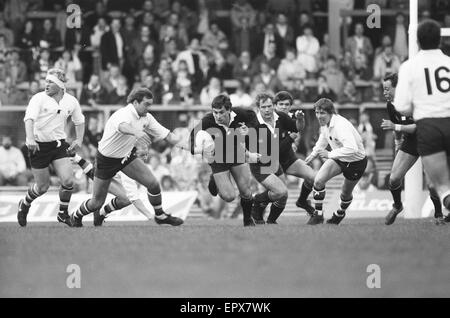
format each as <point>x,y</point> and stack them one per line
<point>54,79</point>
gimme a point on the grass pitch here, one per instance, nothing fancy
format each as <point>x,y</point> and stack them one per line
<point>210,258</point>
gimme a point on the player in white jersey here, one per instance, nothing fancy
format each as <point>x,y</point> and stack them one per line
<point>347,157</point>
<point>45,120</point>
<point>117,152</point>
<point>423,90</point>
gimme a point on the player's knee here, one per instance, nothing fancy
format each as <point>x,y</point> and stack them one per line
<point>281,202</point>
<point>227,196</point>
<point>154,188</point>
<point>42,188</point>
<point>394,182</point>
<point>280,193</point>
<point>67,183</point>
<point>319,183</point>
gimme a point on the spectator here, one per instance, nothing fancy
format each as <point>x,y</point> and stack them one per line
<point>3,48</point>
<point>34,88</point>
<point>15,68</point>
<point>213,36</point>
<point>323,90</point>
<point>112,45</point>
<point>350,94</point>
<point>49,37</point>
<point>183,83</point>
<point>129,29</point>
<point>268,37</point>
<point>386,63</point>
<point>119,95</point>
<point>148,60</point>
<point>169,92</point>
<point>299,92</point>
<point>7,32</point>
<point>10,95</point>
<point>399,35</point>
<point>359,45</point>
<point>307,50</point>
<point>240,97</point>
<point>197,64</point>
<point>13,13</point>
<point>93,93</point>
<point>140,82</point>
<point>138,46</point>
<point>227,53</point>
<point>28,37</point>
<point>41,64</point>
<point>92,136</point>
<point>284,31</point>
<point>304,21</point>
<point>243,38</point>
<point>324,52</point>
<point>290,69</point>
<point>179,30</point>
<point>285,7</point>
<point>219,67</point>
<point>93,18</point>
<point>208,93</point>
<point>335,77</point>
<point>98,31</point>
<point>111,78</point>
<point>168,184</point>
<point>70,63</point>
<point>385,41</point>
<point>269,57</point>
<point>203,17</point>
<point>169,49</point>
<point>360,69</point>
<point>213,207</point>
<point>12,165</point>
<point>259,87</point>
<point>366,131</point>
<point>243,69</point>
<point>240,9</point>
<point>154,86</point>
<point>268,77</point>
<point>187,17</point>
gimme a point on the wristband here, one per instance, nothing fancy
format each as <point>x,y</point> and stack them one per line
<point>398,127</point>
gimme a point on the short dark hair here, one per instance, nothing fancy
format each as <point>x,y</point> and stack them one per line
<point>326,105</point>
<point>283,95</point>
<point>429,35</point>
<point>138,94</point>
<point>393,77</point>
<point>261,97</point>
<point>220,101</point>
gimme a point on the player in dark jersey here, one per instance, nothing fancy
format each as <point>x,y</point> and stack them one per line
<point>282,126</point>
<point>228,127</point>
<point>406,152</point>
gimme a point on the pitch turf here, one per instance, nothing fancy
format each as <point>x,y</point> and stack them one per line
<point>210,258</point>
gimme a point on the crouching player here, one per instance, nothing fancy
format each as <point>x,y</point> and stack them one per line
<point>347,157</point>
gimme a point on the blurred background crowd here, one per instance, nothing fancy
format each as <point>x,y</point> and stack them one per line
<point>187,52</point>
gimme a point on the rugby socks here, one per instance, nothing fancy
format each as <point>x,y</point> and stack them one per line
<point>110,207</point>
<point>276,209</point>
<point>247,204</point>
<point>82,210</point>
<point>263,197</point>
<point>436,202</point>
<point>304,192</point>
<point>156,201</point>
<point>344,204</point>
<point>87,167</point>
<point>32,194</point>
<point>65,193</point>
<point>319,197</point>
<point>396,190</point>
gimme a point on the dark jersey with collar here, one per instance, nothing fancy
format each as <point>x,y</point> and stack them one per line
<point>221,135</point>
<point>285,125</point>
<point>397,118</point>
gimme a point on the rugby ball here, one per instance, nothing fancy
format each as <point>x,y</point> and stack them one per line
<point>204,141</point>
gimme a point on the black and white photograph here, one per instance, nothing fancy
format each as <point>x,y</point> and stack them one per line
<point>225,154</point>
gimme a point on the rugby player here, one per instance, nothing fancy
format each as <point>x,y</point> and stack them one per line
<point>45,121</point>
<point>423,90</point>
<point>116,152</point>
<point>347,157</point>
<point>406,142</point>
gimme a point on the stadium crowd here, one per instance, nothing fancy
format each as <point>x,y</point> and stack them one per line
<point>186,53</point>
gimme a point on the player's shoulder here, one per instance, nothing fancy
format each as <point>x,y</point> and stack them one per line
<point>283,116</point>
<point>242,112</point>
<point>69,98</point>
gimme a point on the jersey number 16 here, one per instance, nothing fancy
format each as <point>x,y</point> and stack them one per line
<point>439,80</point>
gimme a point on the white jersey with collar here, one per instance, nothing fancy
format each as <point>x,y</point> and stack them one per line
<point>423,88</point>
<point>50,117</point>
<point>115,144</point>
<point>345,141</point>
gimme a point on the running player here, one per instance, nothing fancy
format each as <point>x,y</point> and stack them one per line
<point>45,121</point>
<point>423,90</point>
<point>347,157</point>
<point>116,152</point>
<point>407,155</point>
<point>225,124</point>
<point>278,125</point>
